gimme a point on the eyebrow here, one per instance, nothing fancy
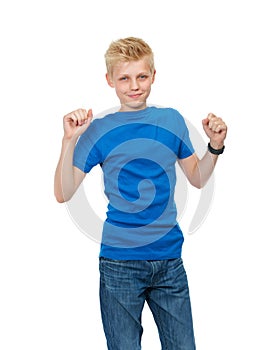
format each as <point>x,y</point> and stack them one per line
<point>141,73</point>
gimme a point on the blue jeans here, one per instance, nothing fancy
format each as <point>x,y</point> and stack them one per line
<point>125,285</point>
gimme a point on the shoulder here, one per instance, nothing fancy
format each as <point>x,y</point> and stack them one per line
<point>100,126</point>
<point>169,117</point>
<point>167,112</point>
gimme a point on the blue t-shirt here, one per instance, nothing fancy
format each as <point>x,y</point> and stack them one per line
<point>137,152</point>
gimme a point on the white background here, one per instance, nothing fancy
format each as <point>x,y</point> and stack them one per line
<point>211,56</point>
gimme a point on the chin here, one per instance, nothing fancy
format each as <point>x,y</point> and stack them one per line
<point>135,104</point>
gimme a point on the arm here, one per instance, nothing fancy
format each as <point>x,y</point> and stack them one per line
<point>67,177</point>
<point>198,171</point>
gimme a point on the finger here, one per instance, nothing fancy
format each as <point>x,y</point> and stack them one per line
<point>218,128</point>
<point>211,116</point>
<point>221,126</point>
<point>81,115</point>
<point>71,118</point>
<point>213,124</point>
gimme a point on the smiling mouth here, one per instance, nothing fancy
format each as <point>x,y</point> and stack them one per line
<point>134,96</point>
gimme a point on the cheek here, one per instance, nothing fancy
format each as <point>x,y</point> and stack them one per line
<point>147,86</point>
<point>120,90</point>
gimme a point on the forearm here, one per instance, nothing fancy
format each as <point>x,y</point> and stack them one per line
<point>64,182</point>
<point>204,169</point>
<point>216,130</point>
<point>198,171</point>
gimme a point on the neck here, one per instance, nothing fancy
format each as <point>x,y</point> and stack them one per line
<point>132,107</point>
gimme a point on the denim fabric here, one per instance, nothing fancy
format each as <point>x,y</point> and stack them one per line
<point>125,285</point>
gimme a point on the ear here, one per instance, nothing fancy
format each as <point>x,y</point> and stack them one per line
<point>109,80</point>
<point>153,76</point>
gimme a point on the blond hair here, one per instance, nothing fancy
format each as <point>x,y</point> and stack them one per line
<point>128,49</point>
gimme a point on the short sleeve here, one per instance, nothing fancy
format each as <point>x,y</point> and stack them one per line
<point>186,148</point>
<point>86,154</point>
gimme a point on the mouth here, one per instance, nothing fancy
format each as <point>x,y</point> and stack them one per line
<point>135,96</point>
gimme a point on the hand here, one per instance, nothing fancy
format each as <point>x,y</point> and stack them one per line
<point>76,123</point>
<point>215,129</point>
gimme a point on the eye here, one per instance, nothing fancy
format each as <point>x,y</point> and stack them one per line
<point>123,78</point>
<point>143,77</point>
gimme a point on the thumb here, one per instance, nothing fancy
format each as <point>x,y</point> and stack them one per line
<point>205,121</point>
<point>205,124</point>
<point>89,113</point>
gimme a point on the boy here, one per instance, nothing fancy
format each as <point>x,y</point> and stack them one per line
<point>137,148</point>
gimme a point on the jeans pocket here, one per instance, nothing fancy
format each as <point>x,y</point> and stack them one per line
<point>116,274</point>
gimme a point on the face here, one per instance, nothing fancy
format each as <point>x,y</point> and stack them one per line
<point>132,82</point>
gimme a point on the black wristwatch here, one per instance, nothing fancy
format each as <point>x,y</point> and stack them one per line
<point>215,151</point>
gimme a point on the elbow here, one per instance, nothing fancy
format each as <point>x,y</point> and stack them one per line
<point>61,198</point>
<point>198,186</point>
<point>197,183</point>
<point>61,195</point>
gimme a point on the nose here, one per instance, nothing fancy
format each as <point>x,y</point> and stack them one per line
<point>134,84</point>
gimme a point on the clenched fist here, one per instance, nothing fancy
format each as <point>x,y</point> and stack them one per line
<point>76,123</point>
<point>216,129</point>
